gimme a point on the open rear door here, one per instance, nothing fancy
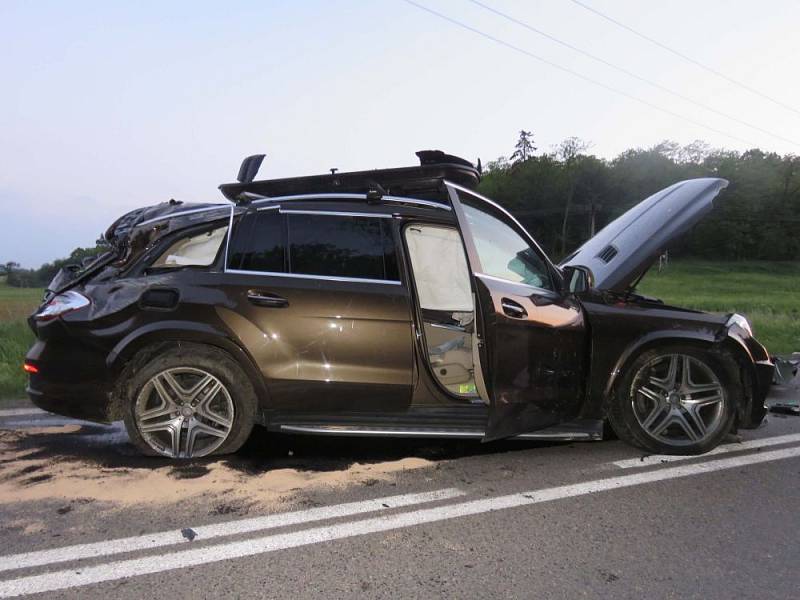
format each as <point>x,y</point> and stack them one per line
<point>531,349</point>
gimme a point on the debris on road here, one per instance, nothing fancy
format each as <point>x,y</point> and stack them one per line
<point>786,368</point>
<point>55,463</point>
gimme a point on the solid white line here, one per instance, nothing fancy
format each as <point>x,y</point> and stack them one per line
<point>19,412</point>
<point>657,459</point>
<point>70,578</point>
<point>204,532</point>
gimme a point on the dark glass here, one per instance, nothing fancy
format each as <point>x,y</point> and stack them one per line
<point>258,243</point>
<point>342,246</point>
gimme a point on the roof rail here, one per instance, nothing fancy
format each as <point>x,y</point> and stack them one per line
<point>424,181</point>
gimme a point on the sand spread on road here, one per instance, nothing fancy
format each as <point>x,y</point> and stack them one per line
<point>27,474</point>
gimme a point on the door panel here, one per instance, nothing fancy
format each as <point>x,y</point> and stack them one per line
<point>331,346</point>
<point>531,339</point>
<point>534,359</point>
<point>315,297</point>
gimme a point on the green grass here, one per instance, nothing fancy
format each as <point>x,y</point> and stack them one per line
<point>767,293</point>
<point>15,337</point>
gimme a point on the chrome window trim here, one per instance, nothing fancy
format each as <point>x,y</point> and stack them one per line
<point>311,197</point>
<point>538,290</point>
<point>181,214</point>
<point>428,203</point>
<point>320,277</point>
<point>303,275</point>
<point>349,196</point>
<point>333,213</point>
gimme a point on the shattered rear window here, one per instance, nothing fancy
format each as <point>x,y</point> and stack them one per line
<point>195,250</point>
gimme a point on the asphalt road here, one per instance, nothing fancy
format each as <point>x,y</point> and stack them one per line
<point>81,516</point>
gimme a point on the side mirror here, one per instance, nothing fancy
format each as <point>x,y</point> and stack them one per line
<point>577,279</point>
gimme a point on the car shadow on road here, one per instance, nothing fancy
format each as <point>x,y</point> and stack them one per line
<point>264,452</point>
<point>107,448</point>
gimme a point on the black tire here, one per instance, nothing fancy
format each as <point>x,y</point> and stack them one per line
<point>622,413</point>
<point>211,360</point>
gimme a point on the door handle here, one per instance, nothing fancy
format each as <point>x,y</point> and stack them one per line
<point>513,309</point>
<point>266,299</point>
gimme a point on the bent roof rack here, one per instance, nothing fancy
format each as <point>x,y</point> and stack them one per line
<point>424,181</point>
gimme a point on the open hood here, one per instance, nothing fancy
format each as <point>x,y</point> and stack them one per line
<point>627,246</point>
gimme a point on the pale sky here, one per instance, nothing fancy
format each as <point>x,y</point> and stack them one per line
<point>109,106</point>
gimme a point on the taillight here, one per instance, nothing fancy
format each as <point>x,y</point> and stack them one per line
<point>29,368</point>
<point>61,304</point>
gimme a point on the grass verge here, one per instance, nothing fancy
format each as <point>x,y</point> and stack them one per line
<point>767,293</point>
<point>15,338</point>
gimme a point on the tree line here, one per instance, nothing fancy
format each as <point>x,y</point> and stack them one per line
<point>566,195</point>
<point>18,277</point>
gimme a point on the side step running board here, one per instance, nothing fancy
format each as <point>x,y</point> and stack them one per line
<point>551,433</point>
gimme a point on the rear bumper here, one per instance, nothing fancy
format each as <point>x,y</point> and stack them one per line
<point>87,405</point>
<point>71,380</point>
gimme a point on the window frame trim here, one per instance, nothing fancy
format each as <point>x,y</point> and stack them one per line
<point>552,269</point>
<point>337,278</point>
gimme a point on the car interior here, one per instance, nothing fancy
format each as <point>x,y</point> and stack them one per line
<point>446,304</point>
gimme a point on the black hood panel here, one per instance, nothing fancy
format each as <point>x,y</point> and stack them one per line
<point>627,246</point>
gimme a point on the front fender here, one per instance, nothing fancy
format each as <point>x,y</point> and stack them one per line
<point>651,340</point>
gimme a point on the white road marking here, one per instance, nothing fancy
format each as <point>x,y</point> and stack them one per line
<point>70,578</point>
<point>204,532</point>
<point>20,412</point>
<point>657,459</point>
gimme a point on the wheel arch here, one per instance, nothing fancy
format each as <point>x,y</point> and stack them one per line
<point>648,342</point>
<point>138,347</point>
<point>725,346</point>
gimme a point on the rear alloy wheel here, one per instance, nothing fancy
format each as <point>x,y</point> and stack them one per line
<point>184,412</point>
<point>675,401</point>
<point>189,401</point>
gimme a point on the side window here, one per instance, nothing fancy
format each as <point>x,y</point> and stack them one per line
<point>342,246</point>
<point>502,250</point>
<point>195,250</point>
<point>258,243</point>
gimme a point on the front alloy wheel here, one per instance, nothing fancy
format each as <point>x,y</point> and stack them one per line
<point>184,412</point>
<point>676,400</point>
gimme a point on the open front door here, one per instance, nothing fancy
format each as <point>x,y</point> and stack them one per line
<point>531,345</point>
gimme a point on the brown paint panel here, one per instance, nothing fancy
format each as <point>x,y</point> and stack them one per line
<point>331,341</point>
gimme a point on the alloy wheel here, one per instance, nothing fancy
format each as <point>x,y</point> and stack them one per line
<point>184,412</point>
<point>678,400</point>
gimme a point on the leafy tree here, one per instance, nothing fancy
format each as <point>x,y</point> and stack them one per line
<point>564,196</point>
<point>524,148</point>
<point>569,152</point>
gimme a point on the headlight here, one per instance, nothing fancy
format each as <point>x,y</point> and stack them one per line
<point>741,323</point>
<point>61,304</point>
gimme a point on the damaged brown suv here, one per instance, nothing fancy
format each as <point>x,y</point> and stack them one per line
<point>395,302</point>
